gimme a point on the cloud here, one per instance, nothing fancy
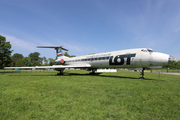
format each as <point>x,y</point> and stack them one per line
<point>25,44</point>
<point>73,47</point>
<point>20,44</point>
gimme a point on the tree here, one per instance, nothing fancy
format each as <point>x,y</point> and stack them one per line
<point>178,64</point>
<point>5,52</point>
<point>16,60</point>
<point>173,64</point>
<point>17,56</point>
<point>40,60</point>
<point>51,61</point>
<point>35,60</point>
<point>26,61</point>
<point>67,55</point>
<point>45,60</point>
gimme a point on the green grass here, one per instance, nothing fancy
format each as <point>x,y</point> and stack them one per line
<point>78,95</point>
<point>170,70</point>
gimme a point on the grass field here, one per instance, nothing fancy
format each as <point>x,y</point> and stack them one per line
<point>170,70</point>
<point>78,95</point>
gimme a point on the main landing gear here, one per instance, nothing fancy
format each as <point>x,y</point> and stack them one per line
<point>142,73</point>
<point>93,71</point>
<point>60,72</point>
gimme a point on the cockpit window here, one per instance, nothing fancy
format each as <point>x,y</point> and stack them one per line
<point>144,50</point>
<point>147,50</point>
<point>150,50</point>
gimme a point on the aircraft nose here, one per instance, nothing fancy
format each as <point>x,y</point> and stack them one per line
<point>171,59</point>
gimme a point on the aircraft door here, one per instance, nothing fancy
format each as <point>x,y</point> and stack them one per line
<point>132,62</point>
<point>145,59</point>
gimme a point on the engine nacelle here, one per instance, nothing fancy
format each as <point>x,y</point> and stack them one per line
<point>62,61</point>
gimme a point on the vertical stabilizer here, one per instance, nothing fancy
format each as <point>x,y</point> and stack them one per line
<point>59,52</point>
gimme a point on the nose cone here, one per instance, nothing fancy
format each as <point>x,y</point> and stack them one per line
<point>160,59</point>
<point>171,59</point>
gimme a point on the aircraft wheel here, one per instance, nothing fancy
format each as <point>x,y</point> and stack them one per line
<point>61,72</point>
<point>142,73</point>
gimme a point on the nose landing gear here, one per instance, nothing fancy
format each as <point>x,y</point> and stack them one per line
<point>142,73</point>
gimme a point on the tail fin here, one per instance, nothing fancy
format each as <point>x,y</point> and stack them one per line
<point>59,52</point>
<point>58,49</point>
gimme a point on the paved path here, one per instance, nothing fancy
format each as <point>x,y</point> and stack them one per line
<point>165,73</point>
<point>172,73</point>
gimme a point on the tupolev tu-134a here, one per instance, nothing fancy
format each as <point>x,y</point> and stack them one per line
<point>131,58</point>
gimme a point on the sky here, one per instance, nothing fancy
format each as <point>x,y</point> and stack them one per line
<point>91,26</point>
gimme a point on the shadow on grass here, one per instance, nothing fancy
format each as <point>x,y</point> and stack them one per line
<point>80,74</point>
<point>24,73</point>
<point>111,76</point>
<point>9,72</point>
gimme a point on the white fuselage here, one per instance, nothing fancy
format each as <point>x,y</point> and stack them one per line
<point>131,58</point>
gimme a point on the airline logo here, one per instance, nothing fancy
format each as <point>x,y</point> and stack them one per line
<point>59,53</point>
<point>119,59</point>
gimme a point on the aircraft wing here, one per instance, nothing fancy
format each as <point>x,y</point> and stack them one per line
<point>53,67</point>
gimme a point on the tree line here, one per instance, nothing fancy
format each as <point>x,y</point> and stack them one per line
<point>173,65</point>
<point>17,59</point>
<point>33,59</point>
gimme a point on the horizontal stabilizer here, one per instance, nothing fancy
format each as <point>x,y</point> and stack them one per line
<point>55,47</point>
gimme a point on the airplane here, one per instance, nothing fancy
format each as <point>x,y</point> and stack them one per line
<point>131,58</point>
